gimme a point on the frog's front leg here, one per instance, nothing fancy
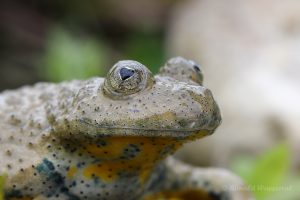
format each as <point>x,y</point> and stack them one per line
<point>186,182</point>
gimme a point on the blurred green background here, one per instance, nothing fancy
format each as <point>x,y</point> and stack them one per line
<point>63,40</point>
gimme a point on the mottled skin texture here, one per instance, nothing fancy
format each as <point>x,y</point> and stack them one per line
<point>108,138</point>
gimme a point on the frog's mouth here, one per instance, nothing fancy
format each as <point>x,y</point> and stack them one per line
<point>86,128</point>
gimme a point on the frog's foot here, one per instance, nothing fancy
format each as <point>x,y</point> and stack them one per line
<point>186,182</point>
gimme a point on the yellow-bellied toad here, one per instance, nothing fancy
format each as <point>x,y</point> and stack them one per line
<point>108,138</point>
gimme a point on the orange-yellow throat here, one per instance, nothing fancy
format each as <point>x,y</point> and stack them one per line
<point>125,156</point>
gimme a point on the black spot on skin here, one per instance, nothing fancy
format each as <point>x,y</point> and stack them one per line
<point>57,178</point>
<point>13,194</point>
<point>64,189</point>
<point>126,73</point>
<point>48,169</point>
<point>45,166</point>
<point>72,197</point>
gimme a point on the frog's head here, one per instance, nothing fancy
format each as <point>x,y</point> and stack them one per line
<point>131,101</point>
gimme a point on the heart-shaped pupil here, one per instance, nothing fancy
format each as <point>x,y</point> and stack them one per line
<point>126,73</point>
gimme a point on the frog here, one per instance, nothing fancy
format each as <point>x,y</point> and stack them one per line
<point>112,138</point>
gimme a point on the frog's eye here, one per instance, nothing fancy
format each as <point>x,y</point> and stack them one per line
<point>126,78</point>
<point>196,68</point>
<point>198,76</point>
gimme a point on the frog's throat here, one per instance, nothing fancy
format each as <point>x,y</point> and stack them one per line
<point>119,157</point>
<point>128,155</point>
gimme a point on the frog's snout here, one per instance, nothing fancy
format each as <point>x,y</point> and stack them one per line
<point>205,109</point>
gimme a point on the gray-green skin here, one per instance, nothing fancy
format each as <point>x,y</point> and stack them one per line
<point>41,126</point>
